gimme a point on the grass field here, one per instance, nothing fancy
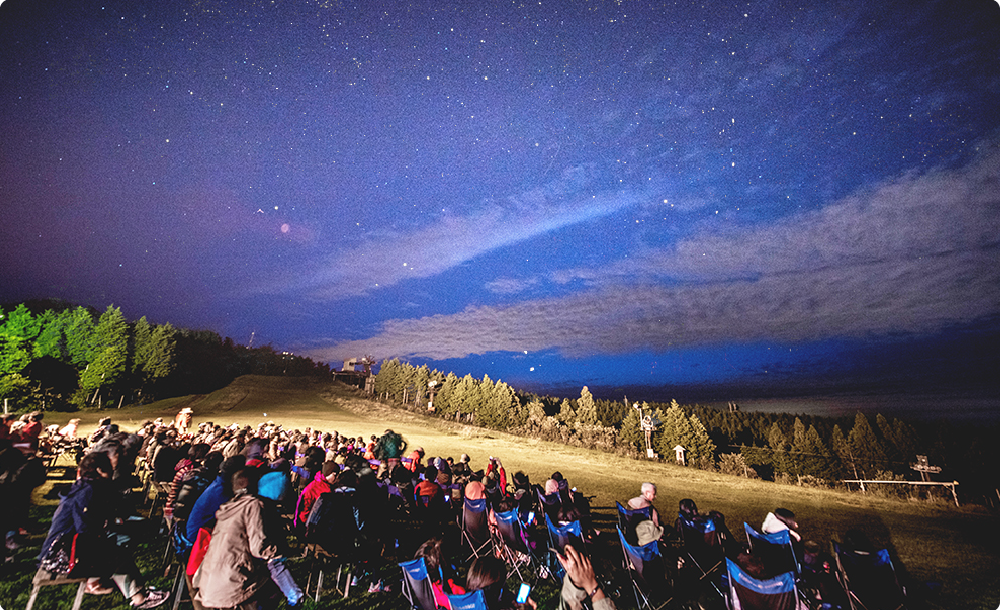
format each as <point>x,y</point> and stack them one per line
<point>955,547</point>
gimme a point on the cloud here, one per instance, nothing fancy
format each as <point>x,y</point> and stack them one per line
<point>453,240</point>
<point>913,255</point>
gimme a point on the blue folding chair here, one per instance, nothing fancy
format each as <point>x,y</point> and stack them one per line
<point>628,518</point>
<point>476,527</point>
<point>702,547</point>
<point>417,585</point>
<point>774,550</point>
<point>778,593</point>
<point>647,572</point>
<point>473,600</point>
<point>869,579</point>
<point>513,544</point>
<point>560,536</point>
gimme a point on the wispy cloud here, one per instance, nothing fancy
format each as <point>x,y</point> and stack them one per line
<point>453,240</point>
<point>912,255</point>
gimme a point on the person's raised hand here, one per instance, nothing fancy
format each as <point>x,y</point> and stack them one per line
<point>578,568</point>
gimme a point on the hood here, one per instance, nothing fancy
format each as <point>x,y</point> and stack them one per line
<point>237,504</point>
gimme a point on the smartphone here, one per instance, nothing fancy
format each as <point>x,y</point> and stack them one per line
<point>523,592</point>
<point>531,518</point>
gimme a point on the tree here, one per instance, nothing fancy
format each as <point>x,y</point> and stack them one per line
<point>51,339</point>
<point>109,352</point>
<point>631,435</point>
<point>18,332</point>
<point>586,408</point>
<point>444,402</point>
<point>779,448</point>
<point>566,414</point>
<point>865,447</point>
<point>79,337</point>
<point>688,432</point>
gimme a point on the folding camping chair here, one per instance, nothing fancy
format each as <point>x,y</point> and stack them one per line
<point>513,544</point>
<point>417,585</point>
<point>647,572</point>
<point>559,537</point>
<point>549,503</point>
<point>473,600</point>
<point>778,593</point>
<point>703,548</point>
<point>774,550</point>
<point>476,527</point>
<point>869,579</point>
<point>628,518</point>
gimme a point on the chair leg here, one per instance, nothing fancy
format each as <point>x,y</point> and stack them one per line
<point>179,588</point>
<point>319,584</point>
<point>79,595</point>
<point>32,597</point>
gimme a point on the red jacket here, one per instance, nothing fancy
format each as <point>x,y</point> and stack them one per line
<point>309,495</point>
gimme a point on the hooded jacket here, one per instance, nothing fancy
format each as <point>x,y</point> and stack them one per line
<point>234,569</point>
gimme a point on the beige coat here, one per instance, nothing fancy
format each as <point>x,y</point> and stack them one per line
<point>234,569</point>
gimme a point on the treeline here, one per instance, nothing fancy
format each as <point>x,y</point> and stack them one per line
<point>799,449</point>
<point>54,355</point>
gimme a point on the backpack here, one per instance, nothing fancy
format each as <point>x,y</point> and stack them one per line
<point>192,486</point>
<point>333,523</point>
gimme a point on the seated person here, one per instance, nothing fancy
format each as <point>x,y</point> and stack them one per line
<point>647,493</point>
<point>781,519</point>
<point>488,574</point>
<point>440,572</point>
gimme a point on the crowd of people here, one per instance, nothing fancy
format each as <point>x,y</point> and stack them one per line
<point>241,500</point>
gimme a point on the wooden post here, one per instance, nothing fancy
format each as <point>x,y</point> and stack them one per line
<point>5,411</point>
<point>120,401</point>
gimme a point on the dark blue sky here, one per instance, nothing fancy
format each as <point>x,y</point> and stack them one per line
<point>715,198</point>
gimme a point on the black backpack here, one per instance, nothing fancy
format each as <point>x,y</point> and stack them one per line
<point>192,486</point>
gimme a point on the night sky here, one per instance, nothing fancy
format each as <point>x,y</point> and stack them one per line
<point>706,201</point>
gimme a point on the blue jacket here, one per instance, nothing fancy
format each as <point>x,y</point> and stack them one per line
<point>85,508</point>
<point>203,511</point>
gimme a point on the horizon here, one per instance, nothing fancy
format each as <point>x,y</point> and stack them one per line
<point>769,200</point>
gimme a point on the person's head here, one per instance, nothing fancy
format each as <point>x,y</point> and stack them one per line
<point>521,481</point>
<point>551,486</point>
<point>242,480</point>
<point>430,473</point>
<point>229,467</point>
<point>212,462</point>
<point>487,573</point>
<point>330,471</point>
<point>688,508</point>
<point>433,556</point>
<point>646,531</point>
<point>648,491</point>
<point>787,517</point>
<point>104,421</point>
<point>347,478</point>
<point>95,465</point>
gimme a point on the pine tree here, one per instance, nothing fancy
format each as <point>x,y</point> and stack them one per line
<point>51,339</point>
<point>631,435</point>
<point>444,402</point>
<point>79,338</point>
<point>109,352</point>
<point>586,409</point>
<point>566,414</point>
<point>18,332</point>
<point>778,443</point>
<point>865,447</point>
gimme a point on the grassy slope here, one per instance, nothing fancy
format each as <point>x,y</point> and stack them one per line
<point>957,547</point>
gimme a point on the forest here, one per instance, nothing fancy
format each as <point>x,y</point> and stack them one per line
<point>59,356</point>
<point>784,447</point>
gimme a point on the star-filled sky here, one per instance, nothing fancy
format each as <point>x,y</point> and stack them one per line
<point>674,199</point>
